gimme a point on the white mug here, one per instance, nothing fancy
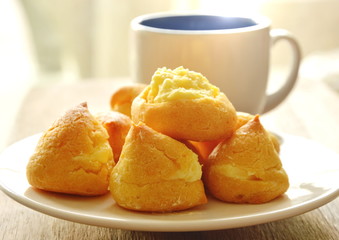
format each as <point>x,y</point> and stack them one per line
<point>232,52</point>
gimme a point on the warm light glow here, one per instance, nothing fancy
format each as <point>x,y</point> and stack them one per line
<point>232,7</point>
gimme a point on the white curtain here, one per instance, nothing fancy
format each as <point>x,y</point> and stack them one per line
<point>84,39</point>
<point>88,38</point>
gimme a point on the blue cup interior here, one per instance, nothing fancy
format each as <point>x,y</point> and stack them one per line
<point>198,22</point>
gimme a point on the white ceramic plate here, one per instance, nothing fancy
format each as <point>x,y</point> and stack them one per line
<point>314,179</point>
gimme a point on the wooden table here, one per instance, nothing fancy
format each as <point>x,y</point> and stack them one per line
<point>311,111</point>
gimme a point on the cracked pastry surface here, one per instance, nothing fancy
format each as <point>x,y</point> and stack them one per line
<point>246,168</point>
<point>184,105</point>
<point>73,156</point>
<point>156,173</point>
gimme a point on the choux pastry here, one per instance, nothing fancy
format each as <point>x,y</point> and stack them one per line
<point>246,168</point>
<point>156,173</point>
<point>73,156</point>
<point>184,105</point>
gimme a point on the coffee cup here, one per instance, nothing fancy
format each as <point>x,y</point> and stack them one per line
<point>232,52</point>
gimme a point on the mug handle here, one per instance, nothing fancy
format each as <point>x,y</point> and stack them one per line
<point>274,99</point>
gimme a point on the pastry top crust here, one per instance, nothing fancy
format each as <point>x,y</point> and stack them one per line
<point>79,129</point>
<point>150,157</point>
<point>250,147</point>
<point>156,173</point>
<point>72,156</point>
<point>184,105</point>
<point>243,118</point>
<point>246,168</point>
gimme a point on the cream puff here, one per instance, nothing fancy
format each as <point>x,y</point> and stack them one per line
<point>73,156</point>
<point>184,105</point>
<point>246,168</point>
<point>156,173</point>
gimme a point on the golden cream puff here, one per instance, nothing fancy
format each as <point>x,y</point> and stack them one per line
<point>156,173</point>
<point>246,168</point>
<point>73,156</point>
<point>184,105</point>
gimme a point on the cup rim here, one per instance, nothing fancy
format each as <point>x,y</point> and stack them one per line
<point>262,22</point>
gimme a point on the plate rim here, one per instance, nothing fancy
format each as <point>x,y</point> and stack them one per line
<point>181,225</point>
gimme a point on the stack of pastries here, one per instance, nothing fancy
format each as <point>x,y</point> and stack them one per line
<point>161,148</point>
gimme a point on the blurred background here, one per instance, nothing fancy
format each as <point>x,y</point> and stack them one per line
<point>44,42</point>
